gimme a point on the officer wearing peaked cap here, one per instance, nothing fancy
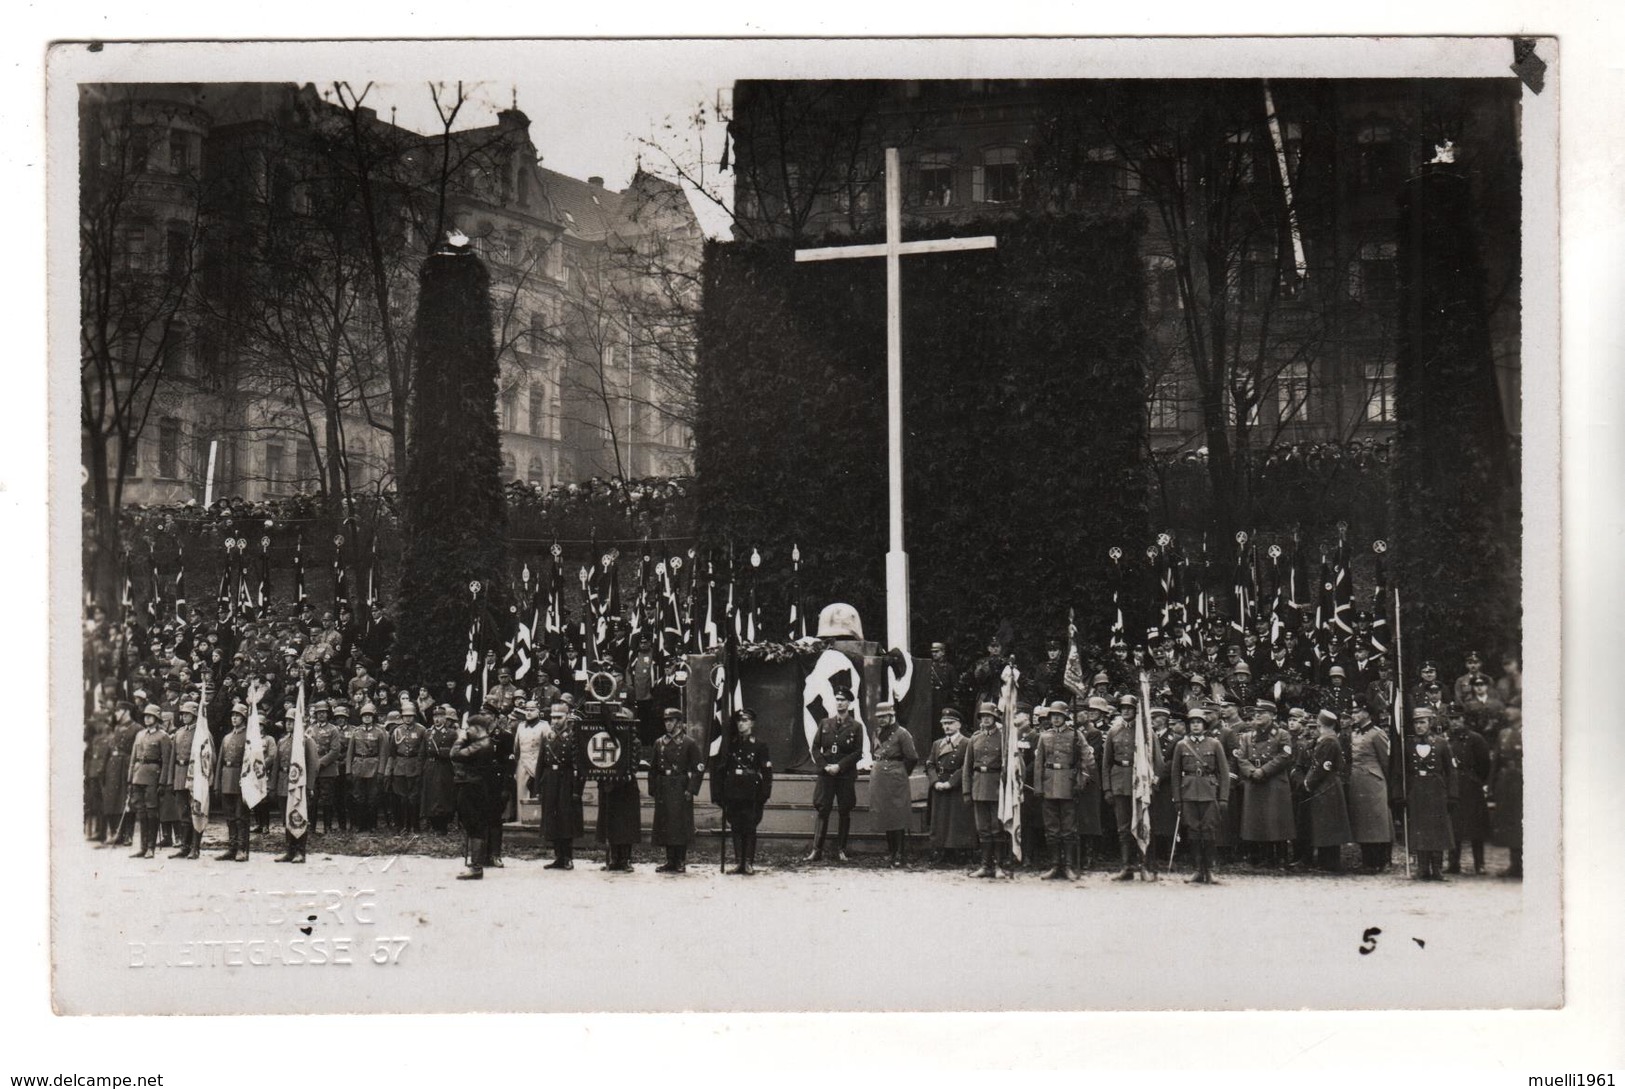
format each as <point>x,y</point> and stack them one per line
<point>1328,809</point>
<point>1429,792</point>
<point>894,758</point>
<point>746,783</point>
<point>836,751</point>
<point>675,775</point>
<point>952,827</point>
<point>1264,765</point>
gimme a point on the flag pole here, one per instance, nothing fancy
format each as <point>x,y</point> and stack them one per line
<point>1399,721</point>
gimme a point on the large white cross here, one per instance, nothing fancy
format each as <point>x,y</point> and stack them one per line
<point>892,249</point>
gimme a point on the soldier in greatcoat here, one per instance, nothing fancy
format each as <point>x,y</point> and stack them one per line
<point>984,774</point>
<point>97,746</point>
<point>1429,793</point>
<point>228,780</point>
<point>438,799</point>
<point>505,761</point>
<point>1370,821</point>
<point>1095,821</point>
<point>151,752</point>
<point>1470,820</point>
<point>473,760</point>
<point>116,776</point>
<point>559,789</point>
<point>742,782</point>
<point>1263,762</point>
<point>1164,814</point>
<point>620,807</point>
<point>1201,778</point>
<point>953,829</point>
<point>836,751</point>
<point>1062,762</point>
<point>1506,787</point>
<point>1328,812</point>
<point>894,759</point>
<point>675,775</point>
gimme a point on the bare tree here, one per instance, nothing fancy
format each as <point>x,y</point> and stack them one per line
<point>138,242</point>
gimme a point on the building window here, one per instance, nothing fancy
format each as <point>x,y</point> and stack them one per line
<point>510,468</point>
<point>1292,394</point>
<point>1162,283</point>
<point>169,444</point>
<point>1379,393</point>
<point>1165,403</point>
<point>538,413</point>
<point>134,249</point>
<point>510,410</point>
<point>177,250</point>
<point>304,464</point>
<point>998,179</point>
<point>275,468</point>
<point>200,462</point>
<point>1379,160</point>
<point>1100,176</point>
<point>177,348</point>
<point>538,470</point>
<point>934,181</point>
<point>538,331</point>
<point>1377,279</point>
<point>180,151</point>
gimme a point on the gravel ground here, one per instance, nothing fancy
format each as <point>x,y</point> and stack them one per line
<point>400,934</point>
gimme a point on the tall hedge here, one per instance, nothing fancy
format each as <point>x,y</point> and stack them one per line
<point>453,517</point>
<point>1454,487</point>
<point>1023,416</point>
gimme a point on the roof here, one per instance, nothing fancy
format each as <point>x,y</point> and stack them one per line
<point>590,212</point>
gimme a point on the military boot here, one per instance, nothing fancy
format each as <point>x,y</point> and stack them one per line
<point>184,841</point>
<point>820,830</point>
<point>242,838</point>
<point>230,853</point>
<point>290,850</point>
<point>986,870</point>
<point>1125,849</point>
<point>843,827</point>
<point>750,851</point>
<point>473,855</point>
<point>1454,865</point>
<point>1198,864</point>
<point>493,842</point>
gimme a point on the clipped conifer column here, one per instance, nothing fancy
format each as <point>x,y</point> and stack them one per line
<point>1454,495</point>
<point>453,519</point>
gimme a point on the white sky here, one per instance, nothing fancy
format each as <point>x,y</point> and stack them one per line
<point>589,127</point>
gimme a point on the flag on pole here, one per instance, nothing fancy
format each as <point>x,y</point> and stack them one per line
<point>553,623</point>
<point>297,818</point>
<point>225,595</point>
<point>245,594</point>
<point>798,608</point>
<point>126,593</point>
<point>1343,588</point>
<point>1241,586</point>
<point>299,571</point>
<point>1072,676</point>
<point>155,592</point>
<point>1014,772</point>
<point>1145,768</point>
<point>751,625</point>
<point>472,665</point>
<point>1380,637</point>
<point>1324,610</point>
<point>372,574</point>
<point>727,698</point>
<point>201,770</point>
<point>262,596</point>
<point>341,586</point>
<point>1117,636</point>
<point>180,586</point>
<point>710,621</point>
<point>671,611</point>
<point>255,774</point>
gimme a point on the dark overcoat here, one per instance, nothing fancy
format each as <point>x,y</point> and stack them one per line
<point>1430,787</point>
<point>1471,819</point>
<point>1369,818</point>
<point>1328,813</point>
<point>1266,813</point>
<point>1506,783</point>
<point>559,792</point>
<point>894,758</point>
<point>952,825</point>
<point>675,775</point>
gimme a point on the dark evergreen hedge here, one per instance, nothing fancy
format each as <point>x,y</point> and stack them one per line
<point>1455,494</point>
<point>1023,414</point>
<point>453,517</point>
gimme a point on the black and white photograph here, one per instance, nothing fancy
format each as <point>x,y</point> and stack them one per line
<point>797,525</point>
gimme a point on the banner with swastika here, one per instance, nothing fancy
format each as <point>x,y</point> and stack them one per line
<point>604,750</point>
